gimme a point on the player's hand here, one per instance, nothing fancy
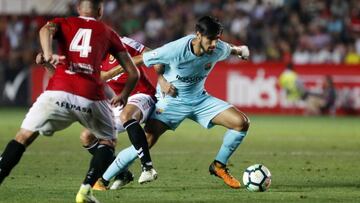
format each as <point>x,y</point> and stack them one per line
<point>119,100</point>
<point>56,59</point>
<point>167,88</point>
<point>50,61</point>
<point>244,52</point>
<point>41,61</point>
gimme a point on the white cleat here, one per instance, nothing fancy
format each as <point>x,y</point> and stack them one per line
<point>148,176</point>
<point>120,181</point>
<point>85,195</point>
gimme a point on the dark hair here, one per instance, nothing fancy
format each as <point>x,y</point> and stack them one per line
<point>209,26</point>
<point>96,3</point>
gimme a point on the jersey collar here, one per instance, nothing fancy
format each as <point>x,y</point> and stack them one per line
<point>87,18</point>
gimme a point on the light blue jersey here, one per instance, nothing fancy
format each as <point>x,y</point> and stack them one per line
<point>187,72</point>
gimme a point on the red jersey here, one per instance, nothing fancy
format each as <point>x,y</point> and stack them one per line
<point>117,83</point>
<point>84,42</point>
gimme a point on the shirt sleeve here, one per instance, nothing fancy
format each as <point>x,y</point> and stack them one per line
<point>137,47</point>
<point>57,22</point>
<point>224,50</point>
<point>162,55</point>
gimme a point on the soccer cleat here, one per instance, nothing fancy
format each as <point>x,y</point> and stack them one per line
<point>85,195</point>
<point>148,176</point>
<point>122,179</point>
<point>101,185</point>
<point>222,172</point>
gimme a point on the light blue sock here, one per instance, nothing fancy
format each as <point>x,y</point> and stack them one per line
<point>232,140</point>
<point>122,161</point>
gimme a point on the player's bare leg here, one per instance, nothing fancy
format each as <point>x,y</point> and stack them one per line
<point>89,141</point>
<point>14,151</point>
<point>238,124</point>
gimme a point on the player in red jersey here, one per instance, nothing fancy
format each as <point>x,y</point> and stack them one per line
<point>140,105</point>
<point>75,92</point>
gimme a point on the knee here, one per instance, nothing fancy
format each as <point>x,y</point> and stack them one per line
<point>241,123</point>
<point>125,116</point>
<point>87,138</point>
<point>109,143</point>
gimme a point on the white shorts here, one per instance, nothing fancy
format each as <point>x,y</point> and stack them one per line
<point>143,101</point>
<point>56,110</point>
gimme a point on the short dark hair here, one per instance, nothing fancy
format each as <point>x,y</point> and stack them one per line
<point>209,26</point>
<point>96,3</point>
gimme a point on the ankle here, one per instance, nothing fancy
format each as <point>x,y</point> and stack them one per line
<point>219,164</point>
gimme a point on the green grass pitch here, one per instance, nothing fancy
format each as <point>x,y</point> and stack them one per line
<point>312,159</point>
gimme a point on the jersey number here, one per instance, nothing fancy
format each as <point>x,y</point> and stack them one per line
<point>81,42</point>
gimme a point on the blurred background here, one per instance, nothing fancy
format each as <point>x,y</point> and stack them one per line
<point>305,54</point>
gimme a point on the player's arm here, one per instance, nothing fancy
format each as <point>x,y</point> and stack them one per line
<point>129,67</point>
<point>166,87</point>
<point>47,58</point>
<point>106,75</point>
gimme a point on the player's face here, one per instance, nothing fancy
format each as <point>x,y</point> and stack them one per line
<point>208,44</point>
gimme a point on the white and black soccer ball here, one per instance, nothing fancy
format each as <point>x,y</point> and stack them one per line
<point>257,178</point>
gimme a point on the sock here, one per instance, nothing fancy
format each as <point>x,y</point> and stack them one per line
<point>10,157</point>
<point>138,139</point>
<point>92,148</point>
<point>123,160</point>
<point>232,140</point>
<point>102,158</point>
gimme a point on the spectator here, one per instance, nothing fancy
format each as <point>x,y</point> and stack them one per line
<point>323,102</point>
<point>275,30</point>
<point>352,57</point>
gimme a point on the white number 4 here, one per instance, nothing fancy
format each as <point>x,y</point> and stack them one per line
<point>81,42</point>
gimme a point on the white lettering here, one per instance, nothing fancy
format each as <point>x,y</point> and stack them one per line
<point>258,92</point>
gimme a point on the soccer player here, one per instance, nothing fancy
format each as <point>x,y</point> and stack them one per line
<point>75,91</point>
<point>139,107</point>
<point>188,61</point>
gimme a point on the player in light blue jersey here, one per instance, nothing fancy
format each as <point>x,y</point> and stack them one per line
<point>185,65</point>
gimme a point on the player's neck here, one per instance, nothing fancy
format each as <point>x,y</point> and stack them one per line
<point>196,47</point>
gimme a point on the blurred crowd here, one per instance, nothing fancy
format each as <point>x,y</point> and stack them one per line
<point>298,31</point>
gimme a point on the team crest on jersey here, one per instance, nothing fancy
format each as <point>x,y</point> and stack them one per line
<point>208,66</point>
<point>111,59</point>
<point>159,111</point>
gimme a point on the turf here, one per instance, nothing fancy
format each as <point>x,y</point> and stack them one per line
<point>312,159</point>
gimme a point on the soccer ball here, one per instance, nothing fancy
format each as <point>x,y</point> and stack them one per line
<point>257,178</point>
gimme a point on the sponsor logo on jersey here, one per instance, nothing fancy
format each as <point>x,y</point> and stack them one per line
<point>190,79</point>
<point>80,68</point>
<point>67,105</point>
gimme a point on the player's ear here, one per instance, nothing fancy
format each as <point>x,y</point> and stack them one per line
<point>100,12</point>
<point>198,35</point>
